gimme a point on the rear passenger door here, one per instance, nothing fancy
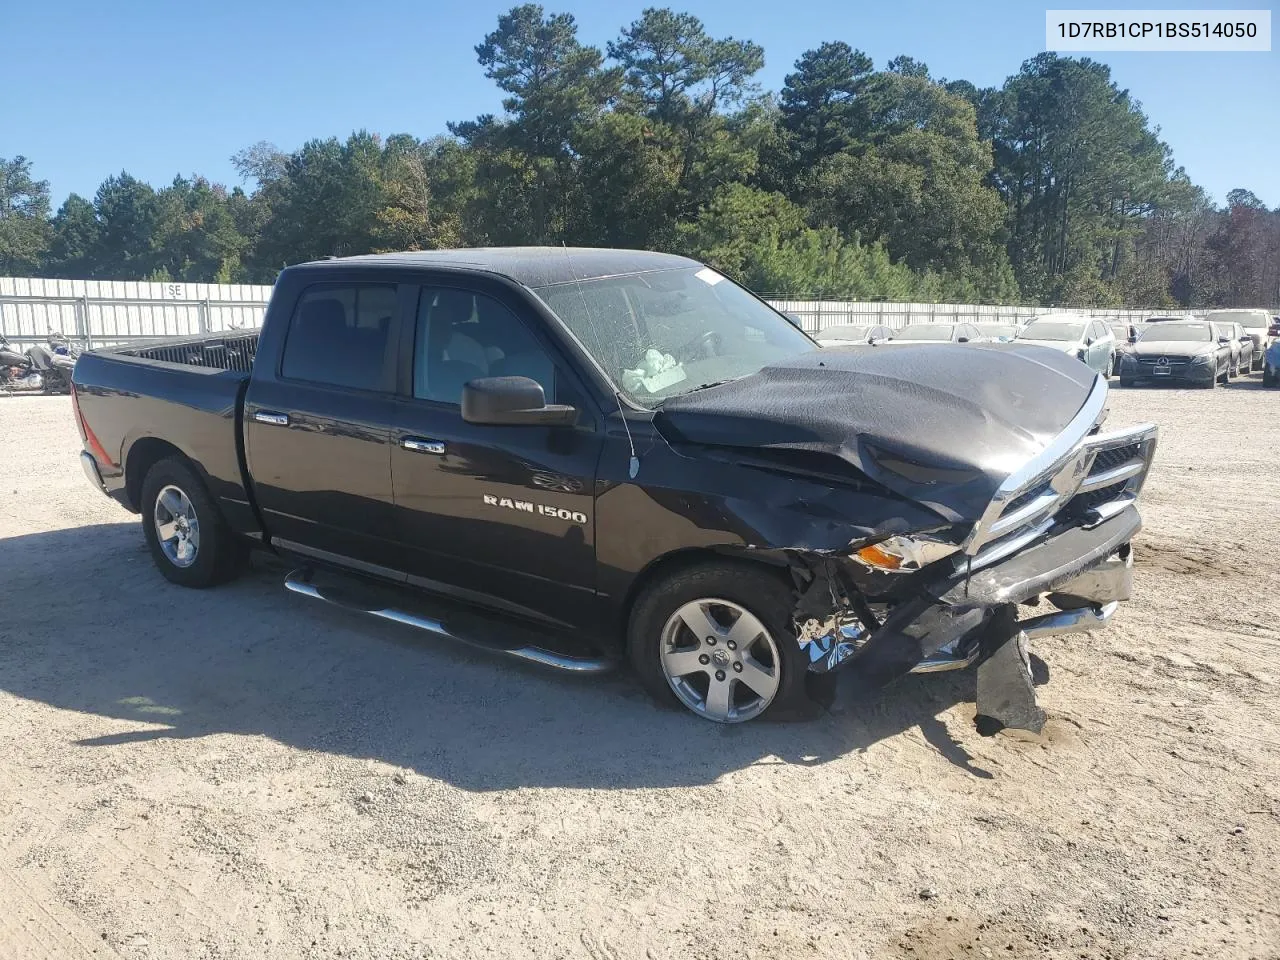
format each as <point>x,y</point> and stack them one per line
<point>318,428</point>
<point>502,515</point>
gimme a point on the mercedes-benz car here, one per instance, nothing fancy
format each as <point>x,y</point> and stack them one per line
<point>1188,352</point>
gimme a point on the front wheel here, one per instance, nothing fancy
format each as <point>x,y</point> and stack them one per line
<point>718,638</point>
<point>190,542</point>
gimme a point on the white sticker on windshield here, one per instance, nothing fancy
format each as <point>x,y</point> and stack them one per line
<point>708,276</point>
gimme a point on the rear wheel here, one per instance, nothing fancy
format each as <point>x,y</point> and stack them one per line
<point>718,638</point>
<point>190,542</point>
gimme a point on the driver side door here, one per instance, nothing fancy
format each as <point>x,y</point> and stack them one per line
<point>499,515</point>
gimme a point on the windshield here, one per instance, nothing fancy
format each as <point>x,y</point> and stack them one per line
<point>925,331</point>
<point>1053,331</point>
<point>1183,332</point>
<point>844,333</point>
<point>996,329</point>
<point>670,332</point>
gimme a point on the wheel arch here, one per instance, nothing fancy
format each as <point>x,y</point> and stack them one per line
<point>667,564</point>
<point>144,454</point>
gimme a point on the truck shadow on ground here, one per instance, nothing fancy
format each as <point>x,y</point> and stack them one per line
<point>91,626</point>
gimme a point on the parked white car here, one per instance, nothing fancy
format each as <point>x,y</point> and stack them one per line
<point>938,333</point>
<point>1088,340</point>
<point>847,335</point>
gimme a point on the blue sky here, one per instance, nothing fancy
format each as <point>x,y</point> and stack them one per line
<point>159,89</point>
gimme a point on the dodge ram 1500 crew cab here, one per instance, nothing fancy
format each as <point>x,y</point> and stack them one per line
<point>579,456</point>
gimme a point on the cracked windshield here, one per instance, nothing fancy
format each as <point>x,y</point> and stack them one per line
<point>660,335</point>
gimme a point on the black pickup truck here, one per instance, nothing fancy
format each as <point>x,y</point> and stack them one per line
<point>581,456</point>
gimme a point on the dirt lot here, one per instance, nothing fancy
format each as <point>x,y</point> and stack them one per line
<point>246,773</point>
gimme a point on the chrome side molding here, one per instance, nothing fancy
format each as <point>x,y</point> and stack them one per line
<point>298,582</point>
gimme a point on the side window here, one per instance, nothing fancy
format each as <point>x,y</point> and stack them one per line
<point>463,335</point>
<point>342,336</point>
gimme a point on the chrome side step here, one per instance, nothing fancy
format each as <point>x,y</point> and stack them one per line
<point>940,662</point>
<point>298,581</point>
<point>1069,621</point>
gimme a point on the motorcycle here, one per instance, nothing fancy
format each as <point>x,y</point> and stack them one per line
<point>55,364</point>
<point>15,369</point>
<point>39,369</point>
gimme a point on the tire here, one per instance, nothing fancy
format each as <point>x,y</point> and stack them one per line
<point>1226,376</point>
<point>1258,364</point>
<point>212,553</point>
<point>1268,379</point>
<point>718,594</point>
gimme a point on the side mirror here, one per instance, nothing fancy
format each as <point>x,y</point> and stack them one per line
<point>962,339</point>
<point>1088,341</point>
<point>1224,339</point>
<point>512,401</point>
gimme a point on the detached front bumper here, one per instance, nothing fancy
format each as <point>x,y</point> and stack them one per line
<point>1086,571</point>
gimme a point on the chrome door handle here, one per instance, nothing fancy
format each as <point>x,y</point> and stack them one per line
<point>275,419</point>
<point>421,445</point>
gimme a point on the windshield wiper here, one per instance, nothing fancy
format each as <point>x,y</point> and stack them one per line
<point>713,383</point>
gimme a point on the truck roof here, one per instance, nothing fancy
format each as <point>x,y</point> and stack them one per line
<point>531,266</point>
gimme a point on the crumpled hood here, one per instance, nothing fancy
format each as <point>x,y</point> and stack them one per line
<point>942,424</point>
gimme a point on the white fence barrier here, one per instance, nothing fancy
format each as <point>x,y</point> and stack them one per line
<point>99,313</point>
<point>818,315</point>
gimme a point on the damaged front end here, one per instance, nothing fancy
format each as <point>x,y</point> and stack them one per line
<point>1058,529</point>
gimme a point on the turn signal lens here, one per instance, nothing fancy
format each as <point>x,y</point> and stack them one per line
<point>903,554</point>
<point>875,557</point>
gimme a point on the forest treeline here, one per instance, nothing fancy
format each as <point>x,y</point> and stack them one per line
<point>849,182</point>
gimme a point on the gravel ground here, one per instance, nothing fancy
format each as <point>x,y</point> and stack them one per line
<point>246,773</point>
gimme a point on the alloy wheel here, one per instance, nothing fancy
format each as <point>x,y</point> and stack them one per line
<point>177,526</point>
<point>720,660</point>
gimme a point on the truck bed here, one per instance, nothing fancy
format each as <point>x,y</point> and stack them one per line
<point>142,402</point>
<point>219,352</point>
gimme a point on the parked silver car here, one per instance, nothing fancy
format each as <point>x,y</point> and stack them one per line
<point>938,333</point>
<point>1088,340</point>
<point>1255,323</point>
<point>1241,345</point>
<point>848,334</point>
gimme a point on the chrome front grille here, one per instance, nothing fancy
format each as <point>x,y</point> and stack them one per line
<point>1082,476</point>
<point>1173,364</point>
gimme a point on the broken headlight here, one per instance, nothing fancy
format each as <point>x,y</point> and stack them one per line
<point>901,554</point>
